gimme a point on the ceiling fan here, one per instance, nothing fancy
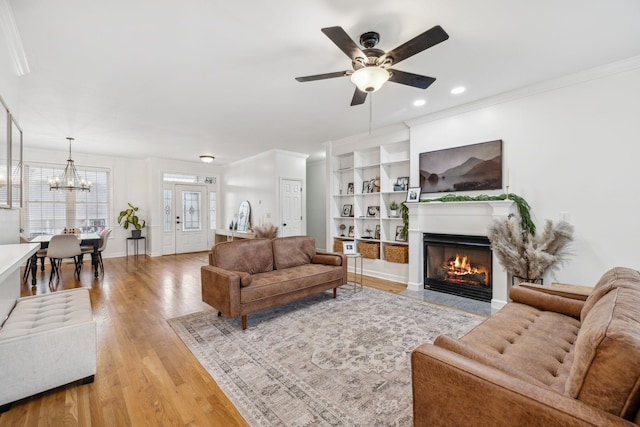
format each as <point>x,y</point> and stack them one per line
<point>372,67</point>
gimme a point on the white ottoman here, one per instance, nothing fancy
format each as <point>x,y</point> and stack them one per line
<point>46,341</point>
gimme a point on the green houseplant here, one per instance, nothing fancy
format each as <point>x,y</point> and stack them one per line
<point>393,208</point>
<point>128,217</point>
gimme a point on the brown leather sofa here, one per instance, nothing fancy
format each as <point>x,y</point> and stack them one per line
<point>245,276</point>
<point>547,358</point>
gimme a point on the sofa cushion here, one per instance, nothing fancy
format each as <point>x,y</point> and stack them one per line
<point>538,343</point>
<point>6,305</point>
<point>278,282</point>
<point>293,251</point>
<point>615,278</point>
<point>246,255</point>
<point>39,313</point>
<point>606,368</point>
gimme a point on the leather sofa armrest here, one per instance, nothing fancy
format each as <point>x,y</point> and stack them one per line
<point>221,289</point>
<point>327,258</point>
<point>450,389</point>
<point>331,258</point>
<point>542,300</point>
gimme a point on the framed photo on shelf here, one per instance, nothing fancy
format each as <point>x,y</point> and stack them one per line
<point>348,247</point>
<point>377,233</point>
<point>402,183</point>
<point>350,234</point>
<point>399,236</point>
<point>373,212</point>
<point>347,210</point>
<point>366,187</point>
<point>350,188</point>
<point>413,195</point>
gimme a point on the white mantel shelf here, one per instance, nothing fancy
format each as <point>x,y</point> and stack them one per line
<point>12,256</point>
<point>461,218</point>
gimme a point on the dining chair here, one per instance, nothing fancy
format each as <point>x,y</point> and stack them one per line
<point>41,254</point>
<point>89,249</point>
<point>63,246</point>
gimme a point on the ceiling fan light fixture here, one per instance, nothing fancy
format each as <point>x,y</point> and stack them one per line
<point>369,79</point>
<point>207,159</point>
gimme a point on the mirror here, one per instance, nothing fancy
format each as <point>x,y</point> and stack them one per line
<point>243,216</point>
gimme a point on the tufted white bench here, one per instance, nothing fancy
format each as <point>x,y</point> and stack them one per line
<point>46,341</point>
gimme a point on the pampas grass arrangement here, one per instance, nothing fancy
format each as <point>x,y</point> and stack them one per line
<point>268,231</point>
<point>525,254</point>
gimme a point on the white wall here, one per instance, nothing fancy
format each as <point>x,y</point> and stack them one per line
<point>317,183</point>
<point>257,179</point>
<point>572,149</point>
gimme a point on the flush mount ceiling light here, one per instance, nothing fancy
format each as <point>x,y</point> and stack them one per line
<point>207,159</point>
<point>458,90</point>
<point>69,180</point>
<point>369,79</point>
<point>419,102</point>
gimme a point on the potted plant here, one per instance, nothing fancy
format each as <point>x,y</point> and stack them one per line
<point>393,209</point>
<point>128,218</point>
<point>525,254</point>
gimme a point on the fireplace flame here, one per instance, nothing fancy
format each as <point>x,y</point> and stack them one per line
<point>460,268</point>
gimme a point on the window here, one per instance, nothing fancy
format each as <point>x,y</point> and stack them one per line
<point>168,217</point>
<point>212,210</point>
<point>49,211</point>
<point>191,211</point>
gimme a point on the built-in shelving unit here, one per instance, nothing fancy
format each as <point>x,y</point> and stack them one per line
<point>364,184</point>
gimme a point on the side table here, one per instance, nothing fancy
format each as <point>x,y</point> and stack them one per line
<point>135,241</point>
<point>355,257</point>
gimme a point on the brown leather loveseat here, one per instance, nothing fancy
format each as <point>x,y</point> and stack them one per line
<point>545,359</point>
<point>245,276</point>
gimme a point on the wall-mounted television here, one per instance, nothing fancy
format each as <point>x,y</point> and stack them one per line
<point>468,168</point>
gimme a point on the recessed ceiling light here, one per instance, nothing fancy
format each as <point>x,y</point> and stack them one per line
<point>419,102</point>
<point>458,90</point>
<point>207,159</point>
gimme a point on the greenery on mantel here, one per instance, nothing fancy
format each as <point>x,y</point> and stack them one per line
<point>523,207</point>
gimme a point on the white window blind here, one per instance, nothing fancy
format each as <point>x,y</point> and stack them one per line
<point>49,211</point>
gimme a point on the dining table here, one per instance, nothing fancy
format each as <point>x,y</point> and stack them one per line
<point>86,239</point>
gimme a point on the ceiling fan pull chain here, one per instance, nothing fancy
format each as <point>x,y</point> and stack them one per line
<point>370,112</point>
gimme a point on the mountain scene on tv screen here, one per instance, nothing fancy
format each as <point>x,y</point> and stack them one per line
<point>471,175</point>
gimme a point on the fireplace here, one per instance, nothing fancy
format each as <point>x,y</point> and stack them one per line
<point>459,265</point>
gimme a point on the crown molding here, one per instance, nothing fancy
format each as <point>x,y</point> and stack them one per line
<point>534,89</point>
<point>13,39</point>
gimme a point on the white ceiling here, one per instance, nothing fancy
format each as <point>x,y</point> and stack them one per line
<point>177,79</point>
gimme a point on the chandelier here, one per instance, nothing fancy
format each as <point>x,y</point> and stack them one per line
<point>69,180</point>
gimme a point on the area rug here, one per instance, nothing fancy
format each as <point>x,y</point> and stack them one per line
<point>321,361</point>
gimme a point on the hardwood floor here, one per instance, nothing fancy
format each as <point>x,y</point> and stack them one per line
<point>145,374</point>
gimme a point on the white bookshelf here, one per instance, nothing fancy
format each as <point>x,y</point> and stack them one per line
<point>349,172</point>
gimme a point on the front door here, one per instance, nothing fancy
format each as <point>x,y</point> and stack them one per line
<point>190,218</point>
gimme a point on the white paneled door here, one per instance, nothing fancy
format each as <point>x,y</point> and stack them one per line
<point>291,199</point>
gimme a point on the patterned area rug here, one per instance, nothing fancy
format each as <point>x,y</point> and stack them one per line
<point>321,361</point>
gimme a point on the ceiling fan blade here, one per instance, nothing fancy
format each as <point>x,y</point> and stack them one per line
<point>410,79</point>
<point>417,44</point>
<point>358,97</point>
<point>344,42</point>
<point>323,76</point>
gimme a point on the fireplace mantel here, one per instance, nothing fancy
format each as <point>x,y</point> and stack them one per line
<point>464,218</point>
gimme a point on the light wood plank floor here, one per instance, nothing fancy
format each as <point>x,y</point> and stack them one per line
<point>145,374</point>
